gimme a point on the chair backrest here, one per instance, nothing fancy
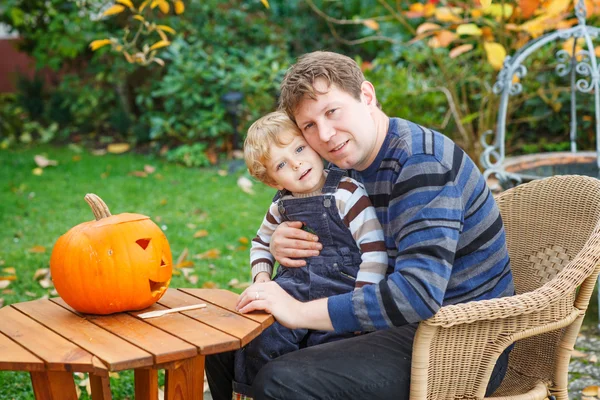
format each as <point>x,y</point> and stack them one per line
<point>547,224</point>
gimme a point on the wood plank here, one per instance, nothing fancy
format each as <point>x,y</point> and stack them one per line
<point>226,299</point>
<point>58,353</point>
<point>53,385</point>
<point>163,346</point>
<point>215,316</point>
<point>187,381</point>
<point>13,357</point>
<point>100,387</point>
<point>207,339</point>
<point>115,352</point>
<point>146,384</point>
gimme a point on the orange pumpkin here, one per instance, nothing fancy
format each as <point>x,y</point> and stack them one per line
<point>115,263</point>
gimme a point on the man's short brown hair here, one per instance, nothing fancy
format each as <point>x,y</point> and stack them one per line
<point>274,128</point>
<point>334,68</point>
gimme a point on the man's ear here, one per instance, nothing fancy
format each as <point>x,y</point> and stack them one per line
<point>367,91</point>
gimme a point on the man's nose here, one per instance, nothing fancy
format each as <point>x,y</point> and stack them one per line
<point>326,131</point>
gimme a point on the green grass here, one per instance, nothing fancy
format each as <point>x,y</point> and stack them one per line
<point>36,210</point>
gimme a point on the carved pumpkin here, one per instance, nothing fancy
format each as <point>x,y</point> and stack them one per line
<point>115,263</point>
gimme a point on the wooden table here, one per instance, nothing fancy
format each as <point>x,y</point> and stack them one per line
<point>50,340</point>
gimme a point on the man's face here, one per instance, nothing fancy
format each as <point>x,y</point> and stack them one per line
<point>339,127</point>
<point>295,166</point>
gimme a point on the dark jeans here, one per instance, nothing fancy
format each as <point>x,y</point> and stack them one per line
<point>372,366</point>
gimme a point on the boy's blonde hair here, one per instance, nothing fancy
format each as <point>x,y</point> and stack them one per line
<point>274,128</point>
<point>336,69</point>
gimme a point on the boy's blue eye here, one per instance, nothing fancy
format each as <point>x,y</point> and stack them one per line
<point>281,165</point>
<point>299,149</point>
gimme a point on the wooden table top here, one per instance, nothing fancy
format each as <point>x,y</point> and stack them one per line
<point>48,335</point>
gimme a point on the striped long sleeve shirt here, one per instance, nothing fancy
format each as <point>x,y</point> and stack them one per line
<point>443,232</point>
<point>357,213</point>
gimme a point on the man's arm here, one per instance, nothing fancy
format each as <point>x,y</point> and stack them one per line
<point>290,245</point>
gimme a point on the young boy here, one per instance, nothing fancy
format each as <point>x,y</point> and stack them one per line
<point>334,207</point>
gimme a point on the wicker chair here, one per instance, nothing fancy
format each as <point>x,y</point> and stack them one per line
<point>553,235</point>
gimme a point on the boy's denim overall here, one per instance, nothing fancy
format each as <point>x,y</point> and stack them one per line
<point>332,272</point>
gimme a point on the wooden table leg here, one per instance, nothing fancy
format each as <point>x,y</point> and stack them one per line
<point>146,384</point>
<point>100,387</point>
<point>186,382</point>
<point>53,385</point>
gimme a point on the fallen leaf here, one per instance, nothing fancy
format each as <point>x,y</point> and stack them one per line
<point>4,284</point>
<point>222,172</point>
<point>245,184</point>
<point>243,240</point>
<point>76,158</point>
<point>37,249</point>
<point>149,169</point>
<point>371,24</point>
<point>209,285</point>
<point>590,391</point>
<point>8,278</point>
<point>187,271</point>
<point>9,270</point>
<point>30,294</point>
<point>184,264</point>
<point>201,233</point>
<point>191,226</point>
<point>495,54</point>
<point>193,279</point>
<point>37,171</point>
<point>238,154</point>
<point>98,152</point>
<point>118,148</point>
<point>45,283</point>
<point>43,162</point>
<point>8,291</point>
<point>458,50</point>
<point>40,273</point>
<point>241,248</point>
<point>182,257</point>
<point>593,358</point>
<point>53,292</point>
<point>163,202</point>
<point>139,174</point>
<point>212,253</point>
<point>233,282</point>
<point>578,354</point>
<point>242,285</point>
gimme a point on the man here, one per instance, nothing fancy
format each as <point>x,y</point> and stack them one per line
<point>443,232</point>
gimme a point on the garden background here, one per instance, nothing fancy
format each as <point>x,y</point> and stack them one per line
<point>129,101</point>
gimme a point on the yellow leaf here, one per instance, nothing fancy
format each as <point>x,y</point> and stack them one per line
<point>265,3</point>
<point>184,264</point>
<point>441,39</point>
<point>486,3</point>
<point>165,28</point>
<point>179,7</point>
<point>528,7</point>
<point>9,270</point>
<point>8,278</point>
<point>591,391</point>
<point>201,233</point>
<point>209,254</point>
<point>159,44</point>
<point>154,3</point>
<point>458,50</point>
<point>164,7</point>
<point>498,12</point>
<point>243,240</point>
<point>128,3</point>
<point>128,57</point>
<point>159,61</point>
<point>426,27</point>
<point>445,14</point>
<point>495,54</point>
<point>139,18</point>
<point>116,9</point>
<point>536,26</point>
<point>557,6</point>
<point>163,36</point>
<point>96,44</point>
<point>118,148</point>
<point>37,171</point>
<point>209,285</point>
<point>468,29</point>
<point>143,5</point>
<point>163,202</point>
<point>476,13</point>
<point>371,24</point>
<point>37,249</point>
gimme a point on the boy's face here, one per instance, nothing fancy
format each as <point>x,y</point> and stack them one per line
<point>339,127</point>
<point>295,166</point>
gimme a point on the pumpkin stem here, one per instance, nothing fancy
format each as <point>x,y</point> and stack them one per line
<point>99,207</point>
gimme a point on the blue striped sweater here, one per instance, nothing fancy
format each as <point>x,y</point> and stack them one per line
<point>443,232</point>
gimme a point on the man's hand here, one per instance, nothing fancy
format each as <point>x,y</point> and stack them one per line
<point>288,311</point>
<point>290,244</point>
<point>262,277</point>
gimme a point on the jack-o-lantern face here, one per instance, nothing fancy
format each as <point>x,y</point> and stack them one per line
<point>117,263</point>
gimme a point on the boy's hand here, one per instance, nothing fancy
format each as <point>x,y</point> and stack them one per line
<point>262,277</point>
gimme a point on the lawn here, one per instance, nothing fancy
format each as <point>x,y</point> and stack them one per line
<point>201,210</point>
